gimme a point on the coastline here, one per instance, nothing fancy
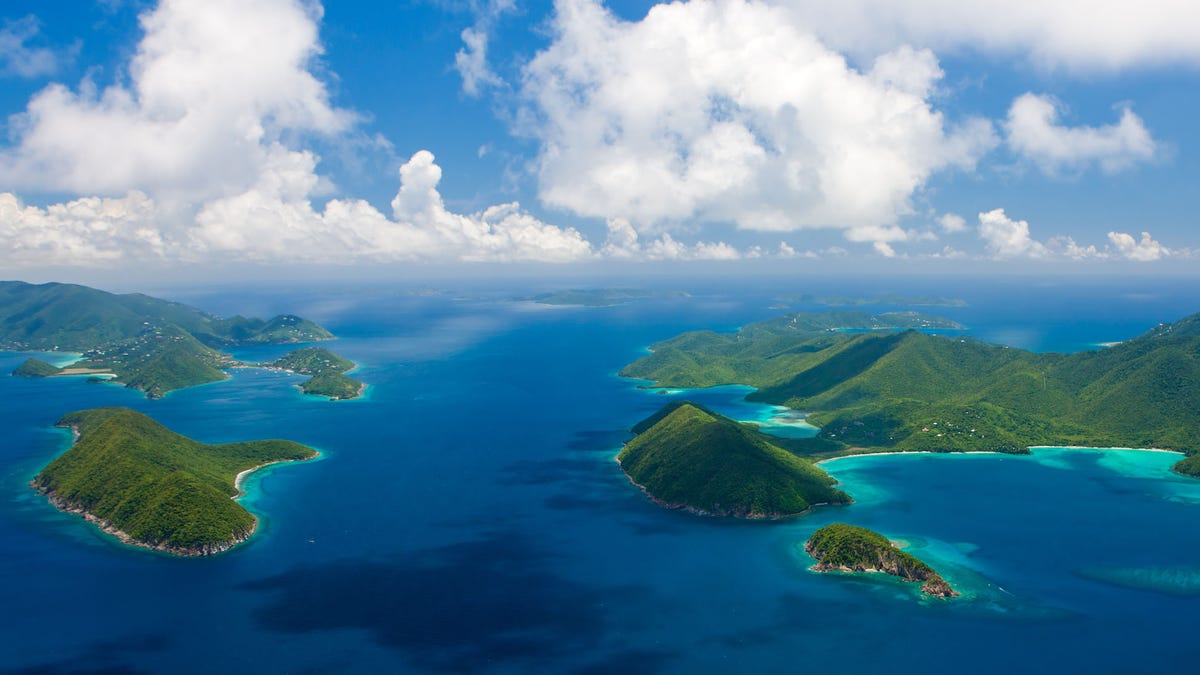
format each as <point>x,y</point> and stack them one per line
<point>713,514</point>
<point>991,452</point>
<point>123,537</point>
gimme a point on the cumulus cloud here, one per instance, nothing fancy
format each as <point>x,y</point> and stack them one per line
<point>727,110</point>
<point>18,58</point>
<point>1008,238</point>
<point>624,243</point>
<point>88,231</point>
<point>1034,132</point>
<point>276,220</point>
<point>1144,250</point>
<point>1102,35</point>
<point>952,222</point>
<point>211,93</point>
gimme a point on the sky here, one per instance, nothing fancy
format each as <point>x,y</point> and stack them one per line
<point>194,135</point>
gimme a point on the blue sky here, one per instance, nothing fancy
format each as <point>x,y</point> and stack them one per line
<point>792,134</point>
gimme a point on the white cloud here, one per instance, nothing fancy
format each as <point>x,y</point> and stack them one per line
<point>18,58</point>
<point>214,86</point>
<point>952,222</point>
<point>1098,35</point>
<point>90,231</point>
<point>471,60</point>
<point>726,110</point>
<point>624,243</point>
<point>884,249</point>
<point>1008,238</point>
<point>277,221</point>
<point>1033,131</point>
<point>1144,250</point>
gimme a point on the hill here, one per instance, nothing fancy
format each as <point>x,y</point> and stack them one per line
<point>913,391</point>
<point>689,457</point>
<point>36,368</point>
<point>846,548</point>
<point>69,317</point>
<point>153,487</point>
<point>148,344</point>
<point>327,370</point>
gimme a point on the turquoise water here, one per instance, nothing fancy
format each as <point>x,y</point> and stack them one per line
<point>467,516</point>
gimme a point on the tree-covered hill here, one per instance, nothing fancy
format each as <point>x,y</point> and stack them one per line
<point>688,457</point>
<point>847,548</point>
<point>915,391</point>
<point>328,371</point>
<point>154,487</point>
<point>148,344</point>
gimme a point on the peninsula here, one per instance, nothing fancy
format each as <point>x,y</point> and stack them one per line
<point>152,487</point>
<point>909,390</point>
<point>688,457</point>
<point>151,345</point>
<point>327,372</point>
<point>847,548</point>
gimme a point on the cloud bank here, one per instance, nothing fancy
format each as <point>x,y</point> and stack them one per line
<point>725,110</point>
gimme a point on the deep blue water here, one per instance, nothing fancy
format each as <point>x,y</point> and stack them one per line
<point>467,515</point>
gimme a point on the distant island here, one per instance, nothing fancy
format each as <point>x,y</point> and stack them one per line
<point>151,345</point>
<point>601,297</point>
<point>907,390</point>
<point>688,457</point>
<point>854,301</point>
<point>154,488</point>
<point>847,548</point>
<point>326,370</point>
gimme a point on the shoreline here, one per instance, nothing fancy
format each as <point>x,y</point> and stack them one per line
<point>992,452</point>
<point>125,538</point>
<point>241,475</point>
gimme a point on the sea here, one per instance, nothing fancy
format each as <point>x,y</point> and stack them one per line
<point>467,515</point>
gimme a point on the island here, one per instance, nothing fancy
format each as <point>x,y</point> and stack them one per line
<point>154,488</point>
<point>152,345</point>
<point>901,389</point>
<point>601,297</point>
<point>687,457</point>
<point>846,548</point>
<point>327,372</point>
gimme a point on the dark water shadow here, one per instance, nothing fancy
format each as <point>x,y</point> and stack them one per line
<point>459,608</point>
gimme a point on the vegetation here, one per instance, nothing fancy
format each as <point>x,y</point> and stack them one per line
<point>36,368</point>
<point>153,487</point>
<point>152,345</point>
<point>847,548</point>
<point>688,457</point>
<point>327,370</point>
<point>914,391</point>
<point>601,297</point>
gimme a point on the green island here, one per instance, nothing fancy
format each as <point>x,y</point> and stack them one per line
<point>847,548</point>
<point>154,488</point>
<point>152,345</point>
<point>601,297</point>
<point>855,301</point>
<point>327,372</point>
<point>688,457</point>
<point>907,390</point>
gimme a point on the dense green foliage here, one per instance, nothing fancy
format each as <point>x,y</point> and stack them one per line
<point>158,360</point>
<point>693,458</point>
<point>36,368</point>
<point>915,391</point>
<point>760,352</point>
<point>148,344</point>
<point>161,489</point>
<point>856,549</point>
<point>327,370</point>
<point>67,317</point>
<point>332,385</point>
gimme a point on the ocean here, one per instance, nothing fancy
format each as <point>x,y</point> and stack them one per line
<point>467,514</point>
